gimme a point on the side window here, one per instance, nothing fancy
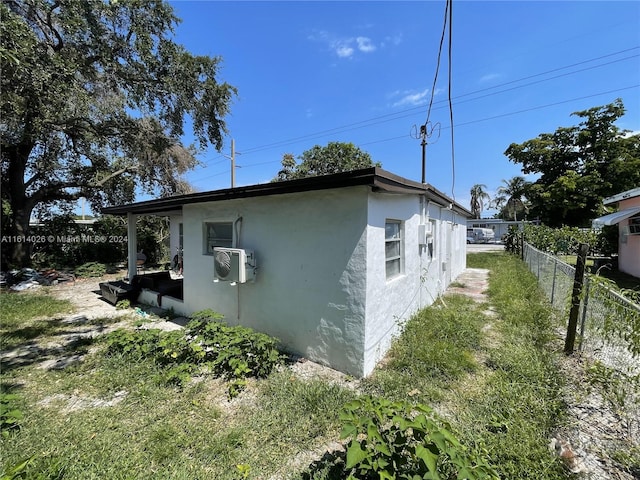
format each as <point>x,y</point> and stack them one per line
<point>393,247</point>
<point>217,234</point>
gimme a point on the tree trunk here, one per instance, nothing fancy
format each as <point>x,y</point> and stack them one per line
<point>19,254</point>
<point>19,250</point>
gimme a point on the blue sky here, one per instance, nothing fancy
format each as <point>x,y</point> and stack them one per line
<point>313,72</point>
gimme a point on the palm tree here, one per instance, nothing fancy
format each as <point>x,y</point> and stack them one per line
<point>511,196</point>
<point>478,195</point>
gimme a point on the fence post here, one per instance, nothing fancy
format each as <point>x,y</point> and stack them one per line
<point>585,306</point>
<point>553,285</point>
<point>575,299</point>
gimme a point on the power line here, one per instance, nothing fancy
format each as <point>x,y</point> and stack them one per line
<point>435,77</point>
<point>410,111</point>
<point>453,154</point>
<point>472,122</point>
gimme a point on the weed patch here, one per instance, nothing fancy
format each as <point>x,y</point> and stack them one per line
<point>205,346</point>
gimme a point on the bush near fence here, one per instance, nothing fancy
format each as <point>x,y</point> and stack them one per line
<point>563,241</point>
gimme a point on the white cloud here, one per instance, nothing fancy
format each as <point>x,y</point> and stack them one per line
<point>488,77</point>
<point>343,47</point>
<point>365,45</point>
<point>410,97</point>
<point>343,51</point>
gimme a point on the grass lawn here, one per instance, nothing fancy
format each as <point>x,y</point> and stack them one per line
<point>620,279</point>
<point>492,376</point>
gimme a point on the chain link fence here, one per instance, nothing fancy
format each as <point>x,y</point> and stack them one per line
<point>609,324</point>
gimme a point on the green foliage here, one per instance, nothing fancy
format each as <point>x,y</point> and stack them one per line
<point>620,389</point>
<point>510,198</point>
<point>10,415</point>
<point>123,305</point>
<point>104,241</point>
<point>96,96</point>
<point>336,157</point>
<point>400,440</point>
<point>579,166</point>
<point>620,321</point>
<point>206,345</point>
<point>558,241</point>
<point>91,269</point>
<point>14,472</point>
<point>478,196</point>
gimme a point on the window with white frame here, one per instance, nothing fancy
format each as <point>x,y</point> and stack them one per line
<point>393,247</point>
<point>217,234</point>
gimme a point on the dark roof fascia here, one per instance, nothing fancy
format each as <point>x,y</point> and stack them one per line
<point>374,177</point>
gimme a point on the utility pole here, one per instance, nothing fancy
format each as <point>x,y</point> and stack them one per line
<point>423,135</point>
<point>233,163</point>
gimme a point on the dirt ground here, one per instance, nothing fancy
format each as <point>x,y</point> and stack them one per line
<point>584,444</point>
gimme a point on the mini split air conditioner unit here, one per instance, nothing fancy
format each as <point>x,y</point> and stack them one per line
<point>233,265</point>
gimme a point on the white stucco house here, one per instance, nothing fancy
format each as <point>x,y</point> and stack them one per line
<point>333,264</point>
<point>628,220</point>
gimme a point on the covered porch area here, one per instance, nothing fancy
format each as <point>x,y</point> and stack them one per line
<point>156,287</point>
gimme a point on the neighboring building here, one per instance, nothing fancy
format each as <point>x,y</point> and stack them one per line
<point>341,260</point>
<point>500,227</point>
<point>628,220</point>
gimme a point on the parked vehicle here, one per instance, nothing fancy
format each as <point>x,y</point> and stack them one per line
<point>480,235</point>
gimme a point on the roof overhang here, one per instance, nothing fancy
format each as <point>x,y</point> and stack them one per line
<point>377,179</point>
<point>634,192</point>
<point>616,217</point>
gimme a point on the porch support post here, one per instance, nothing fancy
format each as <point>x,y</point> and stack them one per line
<point>132,244</point>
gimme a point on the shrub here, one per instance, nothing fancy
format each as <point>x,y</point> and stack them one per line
<point>91,269</point>
<point>399,440</point>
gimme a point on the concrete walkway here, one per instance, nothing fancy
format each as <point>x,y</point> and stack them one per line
<point>473,282</point>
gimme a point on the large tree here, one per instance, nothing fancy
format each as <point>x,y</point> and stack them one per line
<point>336,157</point>
<point>478,196</point>
<point>95,95</point>
<point>579,166</point>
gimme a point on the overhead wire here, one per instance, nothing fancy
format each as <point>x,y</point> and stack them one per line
<point>453,154</point>
<point>435,77</point>
<point>410,111</point>
<point>471,122</point>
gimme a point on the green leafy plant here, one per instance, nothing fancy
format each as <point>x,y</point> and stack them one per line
<point>205,345</point>
<point>400,440</point>
<point>91,269</point>
<point>19,470</point>
<point>123,305</point>
<point>10,416</point>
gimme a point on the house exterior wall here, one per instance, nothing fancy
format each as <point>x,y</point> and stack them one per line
<point>629,245</point>
<point>310,287</point>
<point>321,285</point>
<point>427,270</point>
